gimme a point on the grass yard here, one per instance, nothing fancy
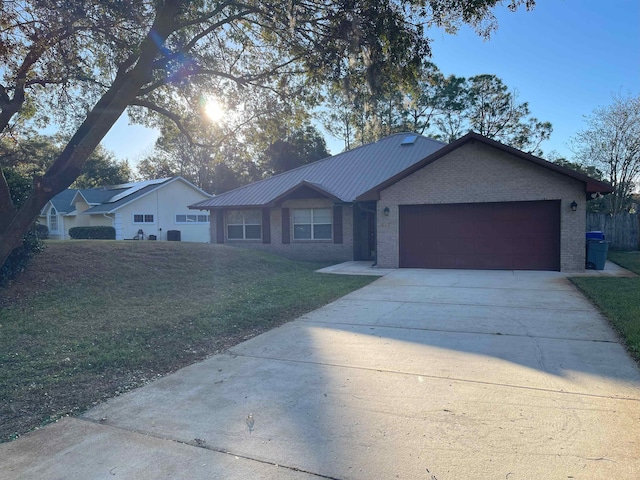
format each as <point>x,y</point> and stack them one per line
<point>93,319</point>
<point>618,298</point>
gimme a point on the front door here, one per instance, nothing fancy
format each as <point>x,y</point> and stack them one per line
<point>364,231</point>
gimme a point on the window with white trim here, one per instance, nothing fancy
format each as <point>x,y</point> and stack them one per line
<point>143,218</point>
<point>53,219</point>
<point>192,218</point>
<point>312,224</point>
<point>244,225</point>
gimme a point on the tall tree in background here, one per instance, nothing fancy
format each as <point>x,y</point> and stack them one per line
<point>302,146</point>
<point>102,168</point>
<point>423,99</point>
<point>611,142</point>
<point>83,62</point>
<point>495,112</point>
<point>445,108</point>
<point>357,115</point>
<point>174,154</point>
<point>31,154</point>
<point>231,163</point>
<point>451,100</point>
<point>338,117</point>
<point>220,154</point>
<point>213,168</point>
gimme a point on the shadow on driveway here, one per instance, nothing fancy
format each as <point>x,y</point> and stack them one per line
<point>420,375</point>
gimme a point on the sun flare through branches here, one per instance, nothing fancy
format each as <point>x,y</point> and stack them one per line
<point>213,110</point>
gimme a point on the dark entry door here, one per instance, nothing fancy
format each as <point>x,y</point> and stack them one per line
<point>493,236</point>
<point>364,231</point>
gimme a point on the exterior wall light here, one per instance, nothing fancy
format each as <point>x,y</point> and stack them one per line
<point>386,211</point>
<point>574,206</point>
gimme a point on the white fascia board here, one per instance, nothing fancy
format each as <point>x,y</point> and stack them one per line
<point>174,179</point>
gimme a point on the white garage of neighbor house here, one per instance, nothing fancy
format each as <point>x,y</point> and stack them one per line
<point>409,201</point>
<point>154,207</point>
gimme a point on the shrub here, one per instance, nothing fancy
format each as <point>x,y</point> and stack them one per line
<point>42,231</point>
<point>17,261</point>
<point>93,233</point>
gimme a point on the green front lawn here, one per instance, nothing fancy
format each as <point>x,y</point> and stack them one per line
<point>92,319</point>
<point>618,298</point>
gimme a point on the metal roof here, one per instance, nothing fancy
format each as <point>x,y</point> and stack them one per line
<point>344,176</point>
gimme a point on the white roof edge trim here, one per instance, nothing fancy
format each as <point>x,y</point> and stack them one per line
<point>45,208</point>
<point>73,200</point>
<point>151,191</point>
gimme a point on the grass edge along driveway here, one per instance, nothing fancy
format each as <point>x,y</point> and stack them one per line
<point>618,298</point>
<point>90,320</point>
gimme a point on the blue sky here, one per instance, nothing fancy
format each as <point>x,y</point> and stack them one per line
<point>566,57</point>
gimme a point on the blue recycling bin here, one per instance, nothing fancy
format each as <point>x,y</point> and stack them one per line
<point>596,253</point>
<point>595,235</point>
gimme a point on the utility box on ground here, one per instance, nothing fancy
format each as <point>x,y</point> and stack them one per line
<point>173,235</point>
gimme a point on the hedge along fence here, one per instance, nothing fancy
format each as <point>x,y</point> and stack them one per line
<point>93,233</point>
<point>621,230</point>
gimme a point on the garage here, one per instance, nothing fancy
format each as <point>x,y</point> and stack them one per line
<point>493,236</point>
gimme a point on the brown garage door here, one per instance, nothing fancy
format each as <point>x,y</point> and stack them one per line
<point>493,236</point>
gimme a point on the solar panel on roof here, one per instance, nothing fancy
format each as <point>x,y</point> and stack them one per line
<point>133,187</point>
<point>409,140</point>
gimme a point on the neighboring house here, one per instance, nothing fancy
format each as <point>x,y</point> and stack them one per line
<point>410,201</point>
<point>153,206</point>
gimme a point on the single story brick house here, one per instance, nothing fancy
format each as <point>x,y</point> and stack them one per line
<point>154,207</point>
<point>409,201</point>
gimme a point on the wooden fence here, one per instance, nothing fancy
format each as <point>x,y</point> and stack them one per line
<point>622,230</point>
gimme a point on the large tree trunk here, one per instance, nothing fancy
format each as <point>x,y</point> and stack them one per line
<point>14,224</point>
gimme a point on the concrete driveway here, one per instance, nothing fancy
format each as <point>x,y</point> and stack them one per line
<point>424,374</point>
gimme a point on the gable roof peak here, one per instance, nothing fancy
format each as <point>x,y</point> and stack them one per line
<point>108,198</point>
<point>345,175</point>
<point>591,185</point>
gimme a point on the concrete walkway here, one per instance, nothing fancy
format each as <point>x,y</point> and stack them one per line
<point>424,374</point>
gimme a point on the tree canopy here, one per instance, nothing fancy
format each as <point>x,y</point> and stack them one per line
<point>31,154</point>
<point>102,168</point>
<point>213,168</point>
<point>611,142</point>
<point>231,164</point>
<point>300,147</point>
<point>442,107</point>
<point>82,63</point>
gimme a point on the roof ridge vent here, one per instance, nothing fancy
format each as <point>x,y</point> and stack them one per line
<point>409,139</point>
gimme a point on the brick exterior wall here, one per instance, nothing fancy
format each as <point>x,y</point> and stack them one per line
<point>308,250</point>
<point>475,173</point>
